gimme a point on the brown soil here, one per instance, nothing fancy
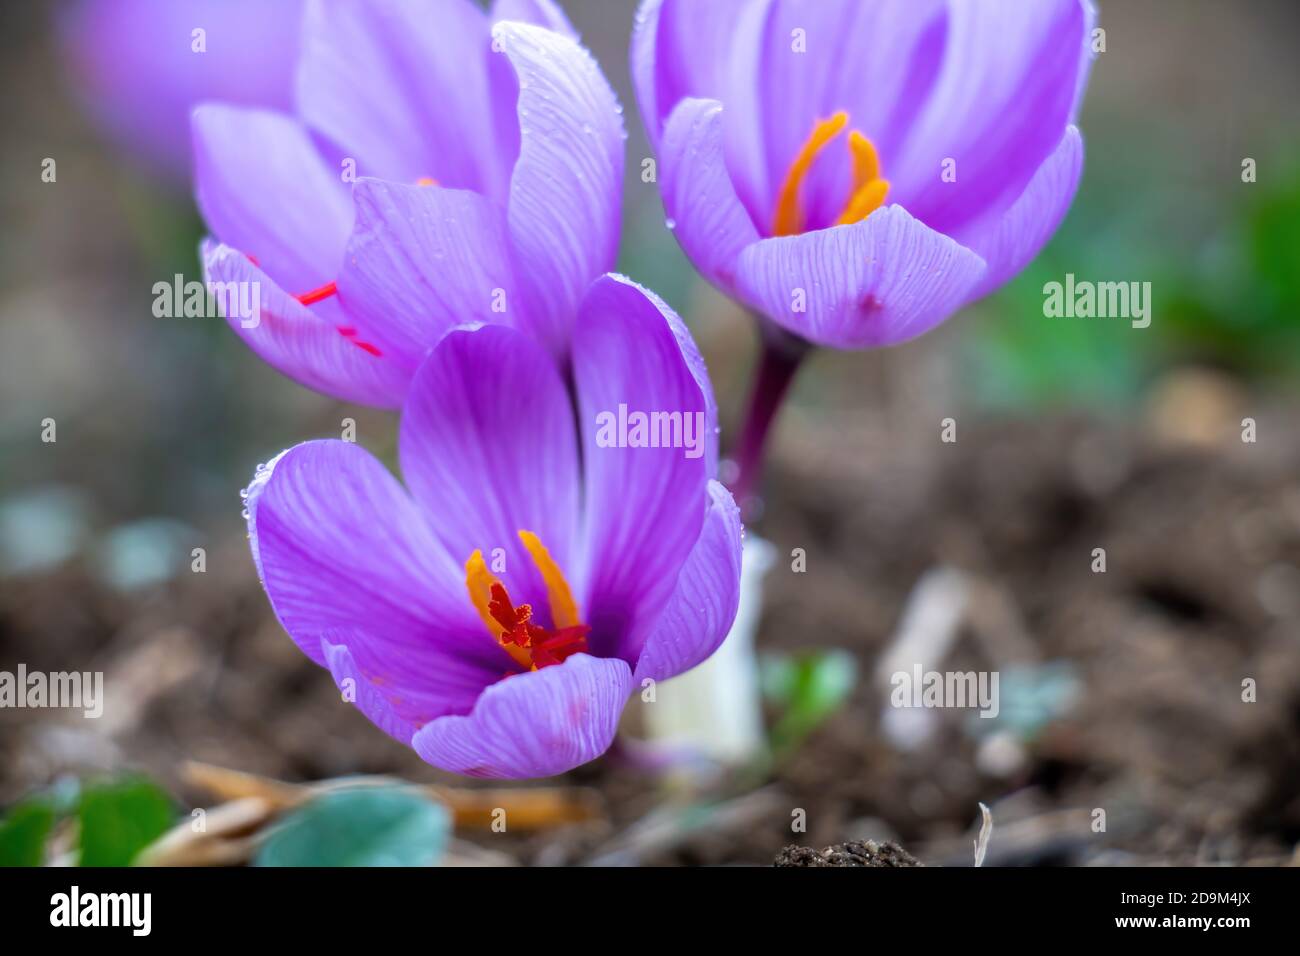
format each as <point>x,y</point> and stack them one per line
<point>857,853</point>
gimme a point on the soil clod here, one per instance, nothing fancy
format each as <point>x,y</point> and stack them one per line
<point>854,853</point>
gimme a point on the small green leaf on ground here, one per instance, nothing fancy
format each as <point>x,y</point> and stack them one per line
<point>120,818</point>
<point>23,832</point>
<point>806,688</point>
<point>389,826</point>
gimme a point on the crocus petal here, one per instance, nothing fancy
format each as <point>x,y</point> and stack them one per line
<point>702,608</point>
<point>680,50</point>
<point>567,184</point>
<point>533,725</point>
<point>368,696</point>
<point>487,446</point>
<point>544,13</point>
<point>377,80</point>
<point>422,260</point>
<point>700,199</point>
<point>644,505</point>
<point>295,341</point>
<point>877,282</point>
<point>1015,238</point>
<point>264,190</point>
<point>1009,86</point>
<point>780,65</point>
<point>745,127</point>
<point>341,547</point>
<point>877,62</point>
<point>138,70</point>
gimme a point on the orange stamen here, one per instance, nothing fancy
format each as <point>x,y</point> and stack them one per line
<point>864,202</point>
<point>564,610</point>
<point>869,189</point>
<point>866,164</point>
<point>789,221</point>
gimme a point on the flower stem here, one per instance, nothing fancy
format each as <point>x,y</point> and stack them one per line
<point>780,359</point>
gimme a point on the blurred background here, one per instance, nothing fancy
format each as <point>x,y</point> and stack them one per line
<point>1120,690</point>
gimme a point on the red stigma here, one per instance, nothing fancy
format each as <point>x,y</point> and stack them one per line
<point>313,296</point>
<point>544,647</point>
<point>319,294</point>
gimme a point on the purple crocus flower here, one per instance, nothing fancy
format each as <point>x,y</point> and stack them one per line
<point>437,170</point>
<point>496,614</point>
<point>142,65</point>
<point>858,171</point>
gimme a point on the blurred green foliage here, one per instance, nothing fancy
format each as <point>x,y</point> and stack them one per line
<point>117,819</point>
<point>1225,293</point>
<point>370,826</point>
<point>805,689</point>
<point>23,832</point>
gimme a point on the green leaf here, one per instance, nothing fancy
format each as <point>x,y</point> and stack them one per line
<point>389,826</point>
<point>808,687</point>
<point>121,818</point>
<point>23,832</point>
<point>1017,357</point>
